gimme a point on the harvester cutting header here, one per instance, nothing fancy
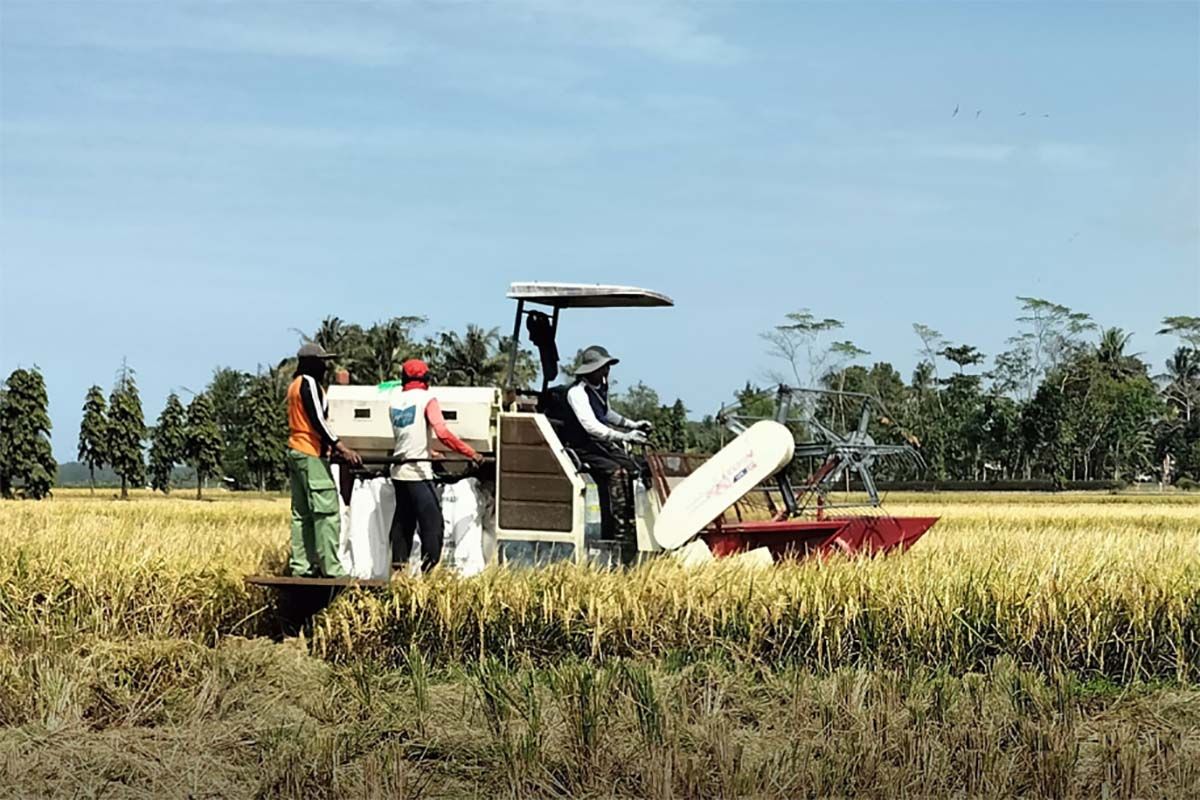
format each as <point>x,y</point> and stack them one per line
<point>742,498</point>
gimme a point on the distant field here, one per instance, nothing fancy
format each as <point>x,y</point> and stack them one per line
<point>1030,644</point>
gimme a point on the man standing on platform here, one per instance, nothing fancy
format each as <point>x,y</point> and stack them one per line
<point>315,518</point>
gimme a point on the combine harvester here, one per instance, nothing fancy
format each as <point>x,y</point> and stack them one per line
<point>740,499</point>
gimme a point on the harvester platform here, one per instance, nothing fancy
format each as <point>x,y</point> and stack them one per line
<point>297,600</point>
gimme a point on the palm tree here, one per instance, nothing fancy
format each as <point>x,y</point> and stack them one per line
<point>386,346</point>
<point>471,359</point>
<point>1181,381</point>
<point>1110,353</point>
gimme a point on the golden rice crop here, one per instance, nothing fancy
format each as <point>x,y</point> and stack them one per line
<point>1102,584</point>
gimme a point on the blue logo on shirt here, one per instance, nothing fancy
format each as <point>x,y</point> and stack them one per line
<point>403,417</point>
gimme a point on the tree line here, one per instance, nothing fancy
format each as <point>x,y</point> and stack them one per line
<point>1065,401</point>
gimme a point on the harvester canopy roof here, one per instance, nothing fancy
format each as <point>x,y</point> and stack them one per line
<point>586,295</point>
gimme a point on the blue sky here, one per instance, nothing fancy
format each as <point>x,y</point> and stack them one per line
<point>184,184</point>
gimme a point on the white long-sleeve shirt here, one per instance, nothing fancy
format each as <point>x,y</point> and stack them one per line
<point>603,429</point>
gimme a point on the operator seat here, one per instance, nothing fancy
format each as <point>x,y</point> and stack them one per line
<point>553,403</point>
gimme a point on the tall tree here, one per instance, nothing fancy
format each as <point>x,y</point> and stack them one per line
<point>386,346</point>
<point>675,427</point>
<point>841,356</point>
<point>1050,337</point>
<point>476,357</point>
<point>340,338</point>
<point>1110,352</point>
<point>1187,328</point>
<point>202,440</point>
<point>266,431</point>
<point>639,401</point>
<point>705,435</point>
<point>964,355</point>
<point>1181,381</point>
<point>166,444</point>
<point>93,433</point>
<point>25,454</point>
<point>797,342</point>
<point>932,343</point>
<point>227,394</point>
<point>126,430</point>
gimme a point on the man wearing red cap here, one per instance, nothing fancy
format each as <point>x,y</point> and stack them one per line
<point>414,414</point>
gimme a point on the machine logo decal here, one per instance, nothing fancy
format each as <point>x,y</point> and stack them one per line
<point>403,417</point>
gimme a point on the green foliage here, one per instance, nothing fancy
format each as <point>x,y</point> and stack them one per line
<point>227,393</point>
<point>202,440</point>
<point>477,357</point>
<point>757,402</point>
<point>25,454</point>
<point>1110,354</point>
<point>1054,406</point>
<point>1187,328</point>
<point>964,355</point>
<point>93,433</point>
<point>126,430</point>
<point>674,427</point>
<point>166,447</point>
<point>671,429</point>
<point>705,435</point>
<point>265,432</point>
<point>639,401</point>
<point>384,349</point>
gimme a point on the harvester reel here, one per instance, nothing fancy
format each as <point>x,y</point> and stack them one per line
<point>855,451</point>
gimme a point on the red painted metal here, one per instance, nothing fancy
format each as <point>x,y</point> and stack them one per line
<point>804,538</point>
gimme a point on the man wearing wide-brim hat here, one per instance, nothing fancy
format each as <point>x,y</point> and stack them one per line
<point>595,435</point>
<point>316,523</point>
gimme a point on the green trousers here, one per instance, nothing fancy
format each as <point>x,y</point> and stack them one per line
<point>316,524</point>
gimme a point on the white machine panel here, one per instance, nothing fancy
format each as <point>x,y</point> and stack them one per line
<point>359,415</point>
<point>758,453</point>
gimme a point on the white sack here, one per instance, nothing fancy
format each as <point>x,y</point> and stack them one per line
<point>365,549</point>
<point>469,532</point>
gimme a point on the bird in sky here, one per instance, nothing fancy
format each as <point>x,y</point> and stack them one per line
<point>1045,116</point>
<point>1022,114</point>
<point>978,112</point>
<point>955,114</point>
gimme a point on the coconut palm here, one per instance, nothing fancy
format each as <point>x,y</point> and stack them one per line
<point>386,346</point>
<point>1181,382</point>
<point>1110,353</point>
<point>472,358</point>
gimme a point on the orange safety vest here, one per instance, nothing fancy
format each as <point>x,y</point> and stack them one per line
<point>303,437</point>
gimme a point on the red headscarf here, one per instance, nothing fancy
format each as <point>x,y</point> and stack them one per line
<point>415,374</point>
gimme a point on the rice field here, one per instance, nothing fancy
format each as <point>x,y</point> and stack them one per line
<point>1042,645</point>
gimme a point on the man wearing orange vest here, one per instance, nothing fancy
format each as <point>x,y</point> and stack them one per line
<point>315,519</point>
